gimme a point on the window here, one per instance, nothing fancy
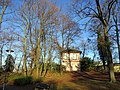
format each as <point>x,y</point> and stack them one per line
<point>70,56</point>
<point>73,56</point>
<point>65,56</point>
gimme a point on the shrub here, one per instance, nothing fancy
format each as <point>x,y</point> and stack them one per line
<point>9,63</point>
<point>23,80</point>
<point>39,80</point>
<point>1,70</point>
<point>87,64</point>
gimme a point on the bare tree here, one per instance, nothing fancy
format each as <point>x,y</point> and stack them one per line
<point>103,14</point>
<point>117,22</point>
<point>3,6</point>
<point>37,18</point>
<point>67,33</point>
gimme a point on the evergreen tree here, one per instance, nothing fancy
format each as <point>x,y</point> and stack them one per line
<point>9,63</point>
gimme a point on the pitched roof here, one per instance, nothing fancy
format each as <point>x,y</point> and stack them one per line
<point>71,51</point>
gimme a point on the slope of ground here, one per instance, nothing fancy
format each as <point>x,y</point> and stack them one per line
<point>82,81</point>
<point>74,81</point>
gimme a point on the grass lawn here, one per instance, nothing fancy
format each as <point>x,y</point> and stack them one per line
<point>75,81</point>
<point>82,81</point>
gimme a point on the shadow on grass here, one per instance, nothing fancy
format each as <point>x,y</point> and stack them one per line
<point>58,86</point>
<point>95,80</point>
<point>99,76</point>
<point>82,81</point>
<point>91,76</point>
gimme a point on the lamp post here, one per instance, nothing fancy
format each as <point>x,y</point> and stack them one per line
<point>9,51</point>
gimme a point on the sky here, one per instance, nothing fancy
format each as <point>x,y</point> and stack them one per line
<point>16,4</point>
<point>64,4</point>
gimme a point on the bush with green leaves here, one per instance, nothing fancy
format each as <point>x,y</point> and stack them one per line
<point>1,70</point>
<point>39,80</point>
<point>23,80</point>
<point>9,63</point>
<point>87,64</point>
<point>56,67</point>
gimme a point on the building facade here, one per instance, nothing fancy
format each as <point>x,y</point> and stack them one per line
<point>71,59</point>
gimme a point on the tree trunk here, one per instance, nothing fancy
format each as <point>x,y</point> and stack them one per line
<point>117,33</point>
<point>2,13</point>
<point>38,58</point>
<point>109,56</point>
<point>107,43</point>
<point>111,66</point>
<point>101,47</point>
<point>61,71</point>
<point>1,58</point>
<point>25,53</point>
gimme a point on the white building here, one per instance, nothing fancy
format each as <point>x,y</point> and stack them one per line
<point>71,59</point>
